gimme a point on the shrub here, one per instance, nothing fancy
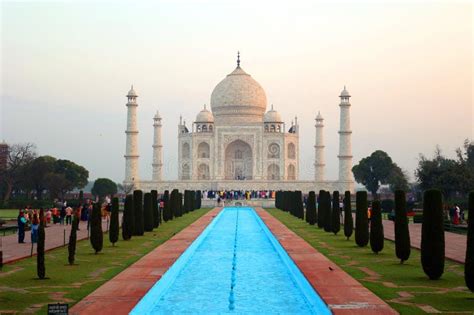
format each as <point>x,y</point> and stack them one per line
<point>154,207</point>
<point>387,205</point>
<point>114,222</point>
<point>97,237</point>
<point>311,208</point>
<point>336,213</point>
<point>362,224</point>
<point>376,228</point>
<point>469,263</point>
<point>402,232</point>
<point>432,234</point>
<point>139,228</point>
<point>128,221</point>
<point>320,213</point>
<point>40,266</point>
<point>148,213</point>
<point>348,221</point>
<point>71,247</point>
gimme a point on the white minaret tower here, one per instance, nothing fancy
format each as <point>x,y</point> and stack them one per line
<point>157,150</point>
<point>319,150</point>
<point>131,149</point>
<point>345,146</point>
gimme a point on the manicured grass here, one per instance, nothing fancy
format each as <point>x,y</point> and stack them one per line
<point>405,287</point>
<point>8,214</point>
<point>20,290</point>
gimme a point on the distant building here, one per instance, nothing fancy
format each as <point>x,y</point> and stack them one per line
<point>3,156</point>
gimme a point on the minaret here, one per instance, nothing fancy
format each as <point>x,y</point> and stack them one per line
<point>345,146</point>
<point>319,150</point>
<point>131,149</point>
<point>157,150</point>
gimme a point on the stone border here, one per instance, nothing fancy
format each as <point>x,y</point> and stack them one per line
<point>341,292</point>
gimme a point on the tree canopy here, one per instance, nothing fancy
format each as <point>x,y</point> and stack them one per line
<point>379,169</point>
<point>103,187</point>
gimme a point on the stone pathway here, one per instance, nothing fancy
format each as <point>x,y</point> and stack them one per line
<point>13,251</point>
<point>455,248</point>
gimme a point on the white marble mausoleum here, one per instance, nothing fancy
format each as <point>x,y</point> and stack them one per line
<point>238,145</point>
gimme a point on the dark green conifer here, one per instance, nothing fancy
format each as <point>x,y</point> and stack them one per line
<point>469,263</point>
<point>336,213</point>
<point>402,233</point>
<point>148,213</point>
<point>128,220</point>
<point>97,237</point>
<point>114,221</point>
<point>321,210</point>
<point>376,228</point>
<point>348,221</point>
<point>311,208</point>
<point>40,265</point>
<point>139,228</point>
<point>362,220</point>
<point>155,210</point>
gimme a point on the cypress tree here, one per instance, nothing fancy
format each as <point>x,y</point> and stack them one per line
<point>277,199</point>
<point>139,228</point>
<point>154,207</point>
<point>348,221</point>
<point>180,202</point>
<point>174,203</point>
<point>336,213</point>
<point>114,222</point>
<point>40,266</point>
<point>97,237</point>
<point>187,201</point>
<point>71,247</point>
<point>432,234</point>
<point>148,213</point>
<point>166,206</point>
<point>327,211</point>
<point>198,199</point>
<point>311,208</point>
<point>193,200</point>
<point>402,232</point>
<point>376,228</point>
<point>320,214</point>
<point>299,209</point>
<point>362,224</point>
<point>469,263</point>
<point>128,221</point>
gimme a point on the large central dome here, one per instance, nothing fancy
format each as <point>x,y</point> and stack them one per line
<point>238,99</point>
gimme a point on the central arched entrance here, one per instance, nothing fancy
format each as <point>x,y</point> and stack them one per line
<point>238,161</point>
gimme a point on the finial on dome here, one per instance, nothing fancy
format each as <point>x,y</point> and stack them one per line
<point>238,58</point>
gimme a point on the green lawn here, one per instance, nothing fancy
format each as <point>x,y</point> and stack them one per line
<point>8,214</point>
<point>405,287</point>
<point>20,290</point>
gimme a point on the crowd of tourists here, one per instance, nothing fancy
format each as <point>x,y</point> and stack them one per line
<point>238,194</point>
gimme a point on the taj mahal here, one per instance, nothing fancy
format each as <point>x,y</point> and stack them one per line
<point>238,145</point>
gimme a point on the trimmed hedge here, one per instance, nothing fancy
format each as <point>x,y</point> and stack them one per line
<point>402,232</point>
<point>167,215</point>
<point>336,213</point>
<point>114,222</point>
<point>71,247</point>
<point>327,211</point>
<point>376,228</point>
<point>320,214</point>
<point>311,208</point>
<point>97,237</point>
<point>348,221</point>
<point>148,213</point>
<point>128,221</point>
<point>139,228</point>
<point>155,210</point>
<point>432,234</point>
<point>362,224</point>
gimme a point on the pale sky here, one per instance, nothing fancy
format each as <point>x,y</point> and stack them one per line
<point>67,66</point>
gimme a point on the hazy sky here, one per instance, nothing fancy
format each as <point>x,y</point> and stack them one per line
<point>67,66</point>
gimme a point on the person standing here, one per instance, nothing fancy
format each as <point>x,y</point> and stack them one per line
<point>34,229</point>
<point>68,215</point>
<point>21,227</point>
<point>62,215</point>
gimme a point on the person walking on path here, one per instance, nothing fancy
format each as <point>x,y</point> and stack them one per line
<point>21,227</point>
<point>62,215</point>
<point>68,215</point>
<point>34,229</point>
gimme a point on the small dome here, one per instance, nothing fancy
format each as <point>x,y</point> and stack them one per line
<point>205,116</point>
<point>345,93</point>
<point>272,116</point>
<point>132,92</point>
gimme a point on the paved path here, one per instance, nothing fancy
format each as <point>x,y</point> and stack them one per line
<point>13,251</point>
<point>122,293</point>
<point>455,248</point>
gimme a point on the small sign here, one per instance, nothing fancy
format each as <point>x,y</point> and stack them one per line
<point>58,309</point>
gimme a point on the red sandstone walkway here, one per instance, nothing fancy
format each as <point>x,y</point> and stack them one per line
<point>122,293</point>
<point>341,292</point>
<point>455,248</point>
<point>13,251</point>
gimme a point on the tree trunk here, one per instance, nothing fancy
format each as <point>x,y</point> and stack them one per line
<point>8,192</point>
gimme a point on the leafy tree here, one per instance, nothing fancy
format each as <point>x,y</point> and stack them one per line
<point>139,227</point>
<point>432,234</point>
<point>376,228</point>
<point>402,233</point>
<point>104,187</point>
<point>73,239</point>
<point>469,263</point>
<point>148,213</point>
<point>128,220</point>
<point>336,213</point>
<point>362,224</point>
<point>75,175</point>
<point>377,169</point>
<point>311,208</point>
<point>348,221</point>
<point>38,169</point>
<point>114,222</point>
<point>40,266</point>
<point>97,237</point>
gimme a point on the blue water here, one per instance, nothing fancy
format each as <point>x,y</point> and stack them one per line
<point>235,266</point>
